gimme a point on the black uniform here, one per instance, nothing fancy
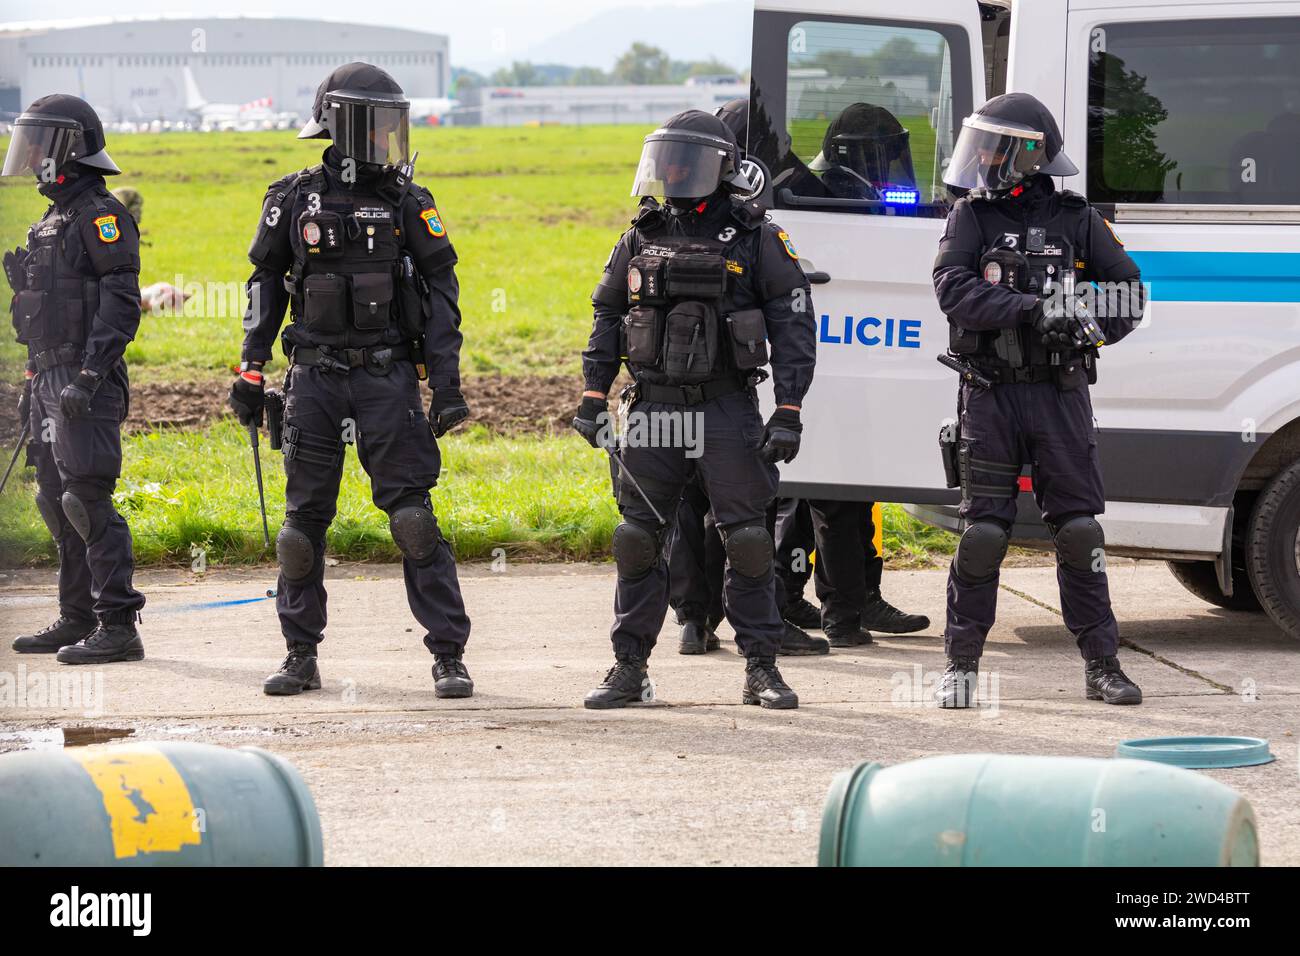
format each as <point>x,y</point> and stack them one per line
<point>696,561</point>
<point>766,302</point>
<point>371,275</point>
<point>1038,412</point>
<point>79,308</point>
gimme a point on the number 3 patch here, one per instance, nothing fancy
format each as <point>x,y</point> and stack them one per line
<point>108,231</point>
<point>436,228</point>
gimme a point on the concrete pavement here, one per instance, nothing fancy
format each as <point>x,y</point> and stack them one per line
<point>522,774</point>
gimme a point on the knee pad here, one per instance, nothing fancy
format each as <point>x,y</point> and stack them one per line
<point>77,511</point>
<point>1080,542</point>
<point>749,549</point>
<point>415,532</point>
<point>980,552</point>
<point>635,550</point>
<point>51,514</point>
<point>296,553</point>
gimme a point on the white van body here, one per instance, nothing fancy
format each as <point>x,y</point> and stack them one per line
<point>1198,411</point>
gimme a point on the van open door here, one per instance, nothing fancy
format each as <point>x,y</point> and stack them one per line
<point>854,110</point>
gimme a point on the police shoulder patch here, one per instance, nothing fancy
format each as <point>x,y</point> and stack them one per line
<point>1112,232</point>
<point>431,219</point>
<point>107,227</point>
<point>789,246</point>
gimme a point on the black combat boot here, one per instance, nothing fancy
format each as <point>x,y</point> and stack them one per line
<point>450,678</point>
<point>697,639</point>
<point>106,644</point>
<point>297,674</point>
<point>765,686</point>
<point>879,615</point>
<point>848,637</point>
<point>1103,680</point>
<point>627,682</point>
<point>957,691</point>
<point>796,642</point>
<point>59,634</point>
<point>803,613</point>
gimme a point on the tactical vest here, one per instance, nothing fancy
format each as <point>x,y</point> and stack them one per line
<point>1042,259</point>
<point>681,328</point>
<point>59,301</point>
<point>348,271</point>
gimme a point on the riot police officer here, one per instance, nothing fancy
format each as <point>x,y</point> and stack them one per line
<point>695,298</point>
<point>1012,276</point>
<point>360,255</point>
<point>76,307</point>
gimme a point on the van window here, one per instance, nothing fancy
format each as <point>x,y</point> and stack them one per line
<point>857,117</point>
<point>1195,112</point>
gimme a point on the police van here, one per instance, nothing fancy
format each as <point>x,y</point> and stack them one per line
<point>1184,121</point>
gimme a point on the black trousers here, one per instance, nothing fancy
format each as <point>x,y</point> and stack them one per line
<point>399,453</point>
<point>848,569</point>
<point>696,561</point>
<point>1054,431</point>
<point>739,485</point>
<point>83,456</point>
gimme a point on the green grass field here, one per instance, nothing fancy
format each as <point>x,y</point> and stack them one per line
<point>533,214</point>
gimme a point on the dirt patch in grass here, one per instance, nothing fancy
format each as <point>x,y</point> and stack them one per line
<point>504,404</point>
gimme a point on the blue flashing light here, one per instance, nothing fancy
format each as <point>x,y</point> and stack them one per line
<point>899,196</point>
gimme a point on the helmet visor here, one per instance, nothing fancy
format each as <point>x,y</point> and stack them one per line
<point>994,156</point>
<point>679,168</point>
<point>40,148</point>
<point>368,132</point>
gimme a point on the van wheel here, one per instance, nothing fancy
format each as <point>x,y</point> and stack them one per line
<point>1202,579</point>
<point>1273,549</point>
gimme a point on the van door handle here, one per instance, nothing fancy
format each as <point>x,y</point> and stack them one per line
<point>818,278</point>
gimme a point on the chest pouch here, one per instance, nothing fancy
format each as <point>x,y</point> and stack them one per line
<point>40,267</point>
<point>325,303</point>
<point>647,280</point>
<point>27,308</point>
<point>643,333</point>
<point>690,343</point>
<point>697,275</point>
<point>372,298</point>
<point>748,337</point>
<point>322,234</point>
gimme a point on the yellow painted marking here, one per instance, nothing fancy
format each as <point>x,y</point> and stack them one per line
<point>146,800</point>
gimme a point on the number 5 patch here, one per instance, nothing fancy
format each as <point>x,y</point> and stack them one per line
<point>108,231</point>
<point>430,217</point>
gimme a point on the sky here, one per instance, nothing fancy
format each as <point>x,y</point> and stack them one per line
<point>484,33</point>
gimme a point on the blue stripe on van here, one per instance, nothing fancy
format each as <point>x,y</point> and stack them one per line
<point>1221,276</point>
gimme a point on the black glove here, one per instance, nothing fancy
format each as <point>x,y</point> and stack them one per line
<point>76,396</point>
<point>25,403</point>
<point>1054,328</point>
<point>781,436</point>
<point>447,409</point>
<point>588,422</point>
<point>14,271</point>
<point>247,397</point>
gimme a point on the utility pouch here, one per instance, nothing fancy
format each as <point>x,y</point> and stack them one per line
<point>690,343</point>
<point>322,234</point>
<point>413,308</point>
<point>643,332</point>
<point>274,402</point>
<point>948,452</point>
<point>27,307</point>
<point>1070,375</point>
<point>697,275</point>
<point>647,280</point>
<point>963,341</point>
<point>325,303</point>
<point>372,299</point>
<point>748,338</point>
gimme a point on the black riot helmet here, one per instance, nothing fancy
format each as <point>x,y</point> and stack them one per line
<point>735,116</point>
<point>688,159</point>
<point>869,142</point>
<point>364,112</point>
<point>53,133</point>
<point>1008,139</point>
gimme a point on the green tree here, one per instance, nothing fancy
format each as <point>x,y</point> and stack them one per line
<point>643,64</point>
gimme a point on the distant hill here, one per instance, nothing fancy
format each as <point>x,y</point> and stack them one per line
<point>720,29</point>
